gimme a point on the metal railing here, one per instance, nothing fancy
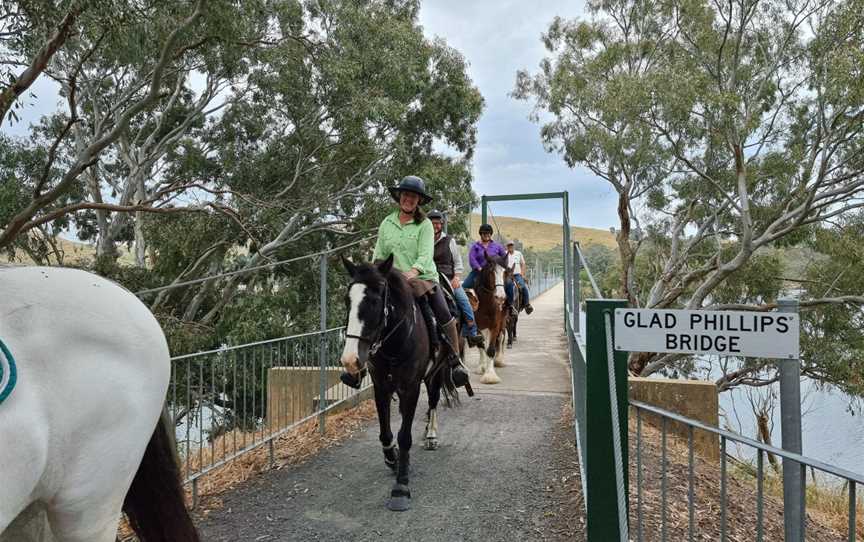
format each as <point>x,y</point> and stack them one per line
<point>541,280</point>
<point>851,479</point>
<point>233,400</point>
<point>646,478</point>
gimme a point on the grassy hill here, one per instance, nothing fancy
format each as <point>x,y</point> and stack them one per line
<point>541,236</point>
<point>74,252</point>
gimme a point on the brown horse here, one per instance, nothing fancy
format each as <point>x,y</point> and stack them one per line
<point>491,316</point>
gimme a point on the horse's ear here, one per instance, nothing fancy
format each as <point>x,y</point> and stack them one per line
<point>385,266</point>
<point>350,267</point>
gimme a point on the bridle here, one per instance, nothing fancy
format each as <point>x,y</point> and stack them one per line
<point>485,288</point>
<point>375,343</point>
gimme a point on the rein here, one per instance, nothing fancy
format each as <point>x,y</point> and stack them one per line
<point>375,343</point>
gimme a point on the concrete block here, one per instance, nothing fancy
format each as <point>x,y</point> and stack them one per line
<point>695,399</point>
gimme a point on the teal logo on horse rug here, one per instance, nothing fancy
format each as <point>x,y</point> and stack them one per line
<point>8,374</point>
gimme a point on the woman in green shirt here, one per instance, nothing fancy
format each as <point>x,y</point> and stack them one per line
<point>409,236</point>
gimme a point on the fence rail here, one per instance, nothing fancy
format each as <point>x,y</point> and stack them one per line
<point>231,401</point>
<point>851,479</point>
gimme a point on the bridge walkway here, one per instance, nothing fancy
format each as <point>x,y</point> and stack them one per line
<point>490,479</point>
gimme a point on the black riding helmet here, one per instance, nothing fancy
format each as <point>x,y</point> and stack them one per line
<point>435,215</point>
<point>486,228</point>
<point>411,183</point>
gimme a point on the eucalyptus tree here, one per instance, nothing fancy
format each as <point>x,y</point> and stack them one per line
<point>358,98</point>
<point>754,109</point>
<point>126,73</point>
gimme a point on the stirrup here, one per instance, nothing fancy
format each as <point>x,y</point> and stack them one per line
<point>459,375</point>
<point>476,340</point>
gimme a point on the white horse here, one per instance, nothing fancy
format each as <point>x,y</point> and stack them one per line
<point>92,374</point>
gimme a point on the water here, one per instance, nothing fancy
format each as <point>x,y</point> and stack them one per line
<point>830,431</point>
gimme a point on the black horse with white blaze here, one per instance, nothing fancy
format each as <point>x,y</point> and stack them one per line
<point>388,335</point>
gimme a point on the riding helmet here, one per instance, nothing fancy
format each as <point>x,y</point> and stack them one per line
<point>486,228</point>
<point>435,215</point>
<point>411,183</point>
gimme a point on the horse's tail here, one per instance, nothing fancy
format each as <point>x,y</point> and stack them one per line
<point>155,504</point>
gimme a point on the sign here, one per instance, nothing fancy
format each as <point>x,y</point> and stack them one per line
<point>724,333</point>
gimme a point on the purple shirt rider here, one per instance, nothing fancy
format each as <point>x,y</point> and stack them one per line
<point>477,254</point>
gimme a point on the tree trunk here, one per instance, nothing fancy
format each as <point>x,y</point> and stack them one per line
<point>624,248</point>
<point>765,437</point>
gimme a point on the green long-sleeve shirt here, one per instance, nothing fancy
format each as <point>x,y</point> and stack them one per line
<point>412,245</point>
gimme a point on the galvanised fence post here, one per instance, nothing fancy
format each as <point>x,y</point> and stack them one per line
<point>794,479</point>
<point>602,494</point>
<point>322,349</point>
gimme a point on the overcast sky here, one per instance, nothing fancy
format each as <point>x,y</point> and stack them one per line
<point>497,38</point>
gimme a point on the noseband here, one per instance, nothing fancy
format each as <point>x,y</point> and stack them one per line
<point>375,343</point>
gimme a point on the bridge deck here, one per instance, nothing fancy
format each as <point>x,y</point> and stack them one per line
<point>489,479</point>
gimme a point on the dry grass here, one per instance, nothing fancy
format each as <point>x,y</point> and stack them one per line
<point>73,253</point>
<point>293,448</point>
<point>829,505</point>
<point>541,236</point>
<point>824,524</point>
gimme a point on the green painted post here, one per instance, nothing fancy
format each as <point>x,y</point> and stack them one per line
<point>602,494</point>
<point>567,263</point>
<point>485,205</point>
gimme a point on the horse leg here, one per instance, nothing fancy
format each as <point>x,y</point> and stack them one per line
<point>433,390</point>
<point>493,350</point>
<point>400,495</point>
<point>82,522</point>
<point>385,435</point>
<point>499,353</point>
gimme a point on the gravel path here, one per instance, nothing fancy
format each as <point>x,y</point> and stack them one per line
<point>491,478</point>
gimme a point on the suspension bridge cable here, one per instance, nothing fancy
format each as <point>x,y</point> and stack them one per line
<point>254,268</point>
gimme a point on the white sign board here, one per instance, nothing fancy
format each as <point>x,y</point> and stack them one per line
<point>725,333</point>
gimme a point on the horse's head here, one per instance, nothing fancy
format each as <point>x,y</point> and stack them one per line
<point>366,299</point>
<point>492,275</point>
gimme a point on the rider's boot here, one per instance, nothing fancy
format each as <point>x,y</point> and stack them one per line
<point>474,340</point>
<point>431,323</point>
<point>451,353</point>
<point>529,309</point>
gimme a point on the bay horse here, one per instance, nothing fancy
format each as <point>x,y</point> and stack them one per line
<point>83,437</point>
<point>386,332</point>
<point>491,316</point>
<point>513,317</point>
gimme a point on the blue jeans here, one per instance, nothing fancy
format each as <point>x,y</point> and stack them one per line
<point>464,305</point>
<point>526,300</point>
<point>469,281</point>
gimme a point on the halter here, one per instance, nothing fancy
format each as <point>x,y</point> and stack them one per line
<point>377,342</point>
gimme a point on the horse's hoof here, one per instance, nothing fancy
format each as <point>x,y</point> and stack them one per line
<point>400,498</point>
<point>509,346</point>
<point>391,461</point>
<point>499,363</point>
<point>431,444</point>
<point>490,379</point>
